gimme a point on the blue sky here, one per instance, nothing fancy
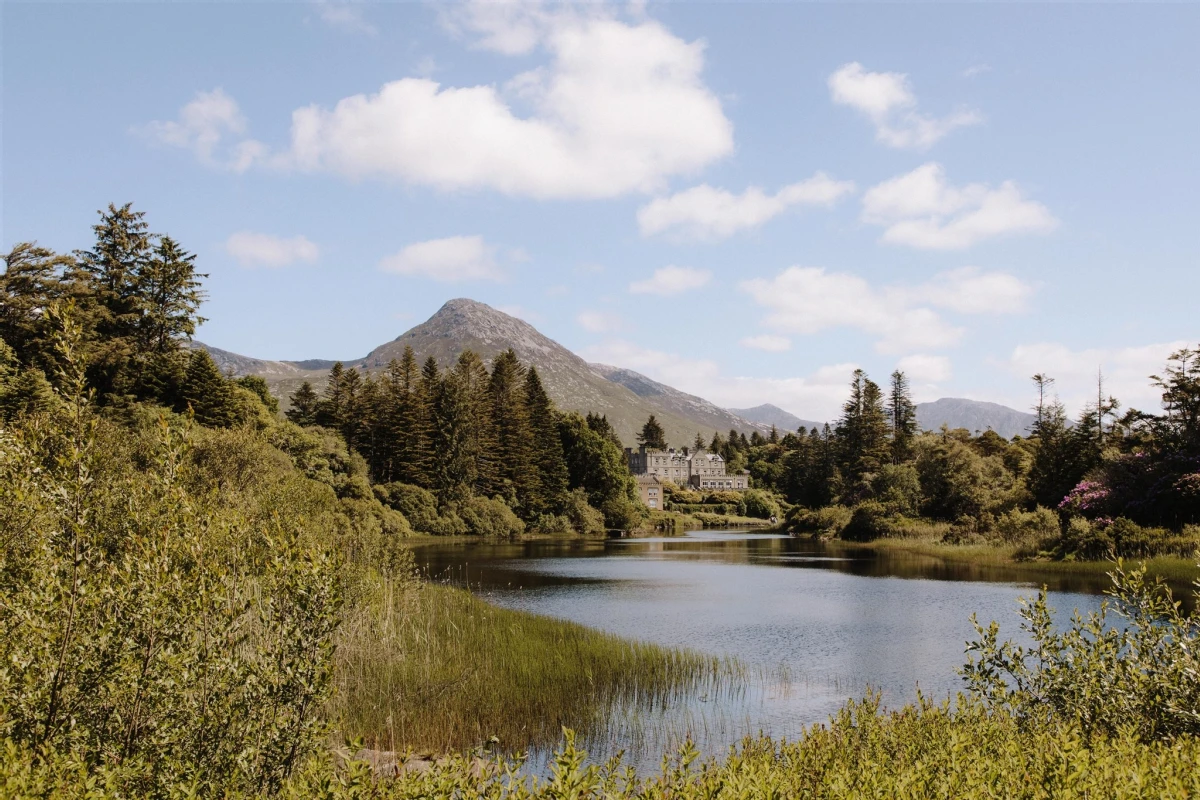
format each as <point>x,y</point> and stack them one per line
<point>742,200</point>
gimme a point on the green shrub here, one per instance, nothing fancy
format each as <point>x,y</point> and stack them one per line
<point>898,487</point>
<point>1082,539</point>
<point>621,513</point>
<point>550,523</point>
<point>827,521</point>
<point>869,521</point>
<point>1039,528</point>
<point>489,516</point>
<point>758,504</point>
<point>1140,676</point>
<point>420,508</point>
<point>583,517</point>
<point>153,619</point>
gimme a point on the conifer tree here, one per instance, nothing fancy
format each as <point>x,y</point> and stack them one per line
<point>600,424</point>
<point>463,437</point>
<point>547,447</point>
<point>112,270</point>
<point>773,438</point>
<point>902,417</point>
<point>31,283</point>
<point>304,405</point>
<point>408,429</point>
<point>169,297</point>
<point>652,435</point>
<point>516,474</point>
<point>206,391</point>
<point>698,442</point>
<point>329,410</point>
<point>862,431</point>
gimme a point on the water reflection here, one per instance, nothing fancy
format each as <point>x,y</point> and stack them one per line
<point>816,623</point>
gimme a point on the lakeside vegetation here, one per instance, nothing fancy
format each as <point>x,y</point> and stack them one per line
<point>1108,485</point>
<point>198,599</point>
<point>435,668</point>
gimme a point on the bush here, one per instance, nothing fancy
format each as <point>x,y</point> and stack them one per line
<point>1139,676</point>
<point>758,504</point>
<point>489,516</point>
<point>1038,529</point>
<point>583,518</point>
<point>869,521</point>
<point>898,486</point>
<point>826,522</point>
<point>420,508</point>
<point>1084,540</point>
<point>621,513</point>
<point>550,523</point>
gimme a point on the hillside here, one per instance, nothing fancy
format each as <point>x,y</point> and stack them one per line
<point>574,384</point>
<point>974,415</point>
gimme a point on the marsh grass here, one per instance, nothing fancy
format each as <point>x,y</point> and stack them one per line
<point>429,667</point>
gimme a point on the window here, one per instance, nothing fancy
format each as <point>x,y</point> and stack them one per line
<point>653,504</point>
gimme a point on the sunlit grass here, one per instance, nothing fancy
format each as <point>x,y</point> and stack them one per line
<point>429,667</point>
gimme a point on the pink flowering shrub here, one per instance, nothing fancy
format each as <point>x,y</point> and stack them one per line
<point>1088,496</point>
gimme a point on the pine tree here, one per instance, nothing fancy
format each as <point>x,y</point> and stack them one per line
<point>206,391</point>
<point>329,410</point>
<point>698,443</point>
<point>773,438</point>
<point>547,447</point>
<point>600,424</point>
<point>652,435</point>
<point>464,443</point>
<point>408,429</point>
<point>862,431</point>
<point>169,293</point>
<point>304,405</point>
<point>516,473</point>
<point>32,282</point>
<point>421,467</point>
<point>902,418</point>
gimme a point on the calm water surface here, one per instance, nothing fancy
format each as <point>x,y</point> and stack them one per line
<point>816,623</point>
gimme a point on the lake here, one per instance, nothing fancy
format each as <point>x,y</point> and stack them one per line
<point>816,623</point>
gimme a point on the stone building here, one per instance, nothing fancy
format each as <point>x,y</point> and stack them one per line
<point>651,491</point>
<point>699,469</point>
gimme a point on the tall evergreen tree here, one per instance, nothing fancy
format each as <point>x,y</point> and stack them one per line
<point>332,405</point>
<point>31,283</point>
<point>207,392</point>
<point>463,436</point>
<point>698,442</point>
<point>113,271</point>
<point>547,446</point>
<point>862,431</point>
<point>516,473</point>
<point>652,435</point>
<point>902,417</point>
<point>304,405</point>
<point>600,424</point>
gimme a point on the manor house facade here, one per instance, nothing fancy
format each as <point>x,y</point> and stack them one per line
<point>698,469</point>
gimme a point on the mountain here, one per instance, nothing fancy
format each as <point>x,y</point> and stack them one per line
<point>574,384</point>
<point>974,415</point>
<point>768,415</point>
<point>708,416</point>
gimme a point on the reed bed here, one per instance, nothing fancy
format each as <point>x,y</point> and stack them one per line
<point>429,667</point>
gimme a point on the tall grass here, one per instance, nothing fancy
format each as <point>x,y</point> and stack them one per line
<point>428,667</point>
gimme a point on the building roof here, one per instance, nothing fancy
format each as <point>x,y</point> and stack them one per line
<point>647,480</point>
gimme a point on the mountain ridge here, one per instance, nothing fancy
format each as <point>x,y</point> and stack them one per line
<point>625,396</point>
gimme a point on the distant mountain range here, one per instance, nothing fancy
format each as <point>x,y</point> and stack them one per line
<point>626,397</point>
<point>953,412</point>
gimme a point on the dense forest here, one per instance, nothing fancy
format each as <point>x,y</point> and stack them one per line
<point>1105,484</point>
<point>453,451</point>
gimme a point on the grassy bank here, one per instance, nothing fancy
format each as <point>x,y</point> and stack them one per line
<point>434,668</point>
<point>1175,570</point>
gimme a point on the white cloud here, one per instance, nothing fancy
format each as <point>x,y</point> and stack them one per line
<point>969,290</point>
<point>887,99</point>
<point>704,212</point>
<point>925,368</point>
<point>976,69</point>
<point>920,209</point>
<point>599,321</point>
<point>768,342</point>
<point>455,258</point>
<point>818,396</point>
<point>263,250</point>
<point>807,300</point>
<point>345,16</point>
<point>671,280</point>
<point>1126,371</point>
<point>618,108</point>
<point>203,127</point>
